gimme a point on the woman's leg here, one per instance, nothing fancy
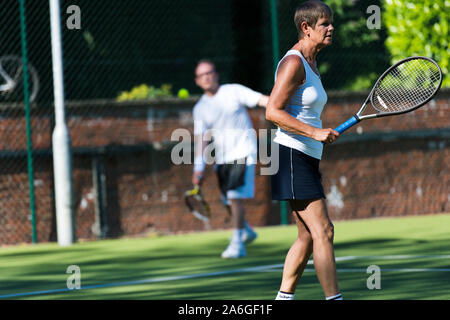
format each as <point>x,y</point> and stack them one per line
<point>315,217</point>
<point>298,255</point>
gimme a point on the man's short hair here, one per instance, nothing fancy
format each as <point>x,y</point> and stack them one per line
<point>310,12</point>
<point>205,60</point>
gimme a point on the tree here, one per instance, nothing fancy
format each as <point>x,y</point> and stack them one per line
<point>418,27</point>
<point>357,56</point>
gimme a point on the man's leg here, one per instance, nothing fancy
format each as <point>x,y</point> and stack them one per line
<point>236,248</point>
<point>238,213</point>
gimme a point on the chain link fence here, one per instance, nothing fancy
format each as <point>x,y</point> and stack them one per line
<point>24,127</point>
<point>124,65</point>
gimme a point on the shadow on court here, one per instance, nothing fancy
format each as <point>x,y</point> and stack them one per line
<point>119,261</point>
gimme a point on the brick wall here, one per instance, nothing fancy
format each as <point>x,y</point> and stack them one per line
<point>390,167</point>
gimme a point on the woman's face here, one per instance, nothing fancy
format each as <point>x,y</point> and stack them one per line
<point>322,33</point>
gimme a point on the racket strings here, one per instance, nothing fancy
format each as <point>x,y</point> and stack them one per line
<point>411,90</point>
<point>198,204</point>
<point>418,81</point>
<point>406,86</point>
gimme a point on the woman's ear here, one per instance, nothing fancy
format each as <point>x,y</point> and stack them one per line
<point>305,28</point>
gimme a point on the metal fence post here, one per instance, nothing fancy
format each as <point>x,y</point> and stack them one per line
<point>62,161</point>
<point>28,122</point>
<point>276,58</point>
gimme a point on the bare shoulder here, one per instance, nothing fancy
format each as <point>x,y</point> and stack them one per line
<point>292,67</point>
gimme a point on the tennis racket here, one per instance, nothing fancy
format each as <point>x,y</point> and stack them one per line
<point>404,87</point>
<point>197,205</point>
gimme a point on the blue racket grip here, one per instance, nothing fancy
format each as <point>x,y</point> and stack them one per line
<point>347,124</point>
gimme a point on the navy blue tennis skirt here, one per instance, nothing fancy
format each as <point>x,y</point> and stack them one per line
<point>298,176</point>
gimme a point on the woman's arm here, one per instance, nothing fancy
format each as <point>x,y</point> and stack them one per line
<point>290,75</point>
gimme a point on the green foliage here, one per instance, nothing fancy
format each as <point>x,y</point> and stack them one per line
<point>351,24</point>
<point>363,82</point>
<point>358,54</point>
<point>418,27</point>
<point>145,92</point>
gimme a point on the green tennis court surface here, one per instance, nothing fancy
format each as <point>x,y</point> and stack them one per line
<point>413,254</point>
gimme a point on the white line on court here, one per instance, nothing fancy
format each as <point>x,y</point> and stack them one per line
<point>362,270</point>
<point>266,268</point>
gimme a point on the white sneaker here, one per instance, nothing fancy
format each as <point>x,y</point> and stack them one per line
<point>234,250</point>
<point>248,236</point>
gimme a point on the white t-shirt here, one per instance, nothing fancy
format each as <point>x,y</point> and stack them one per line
<point>306,105</point>
<point>225,117</point>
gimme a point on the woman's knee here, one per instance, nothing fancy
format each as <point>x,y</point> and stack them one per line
<point>324,233</point>
<point>305,237</point>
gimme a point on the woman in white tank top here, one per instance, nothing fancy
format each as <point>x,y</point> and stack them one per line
<point>295,106</point>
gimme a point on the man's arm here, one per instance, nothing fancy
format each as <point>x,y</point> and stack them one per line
<point>250,98</point>
<point>262,102</point>
<point>199,162</point>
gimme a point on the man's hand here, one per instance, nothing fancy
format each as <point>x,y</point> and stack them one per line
<point>263,101</point>
<point>197,178</point>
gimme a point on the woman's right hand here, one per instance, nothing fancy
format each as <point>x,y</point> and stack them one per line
<point>327,135</point>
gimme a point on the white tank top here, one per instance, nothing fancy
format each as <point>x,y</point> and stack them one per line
<point>306,105</point>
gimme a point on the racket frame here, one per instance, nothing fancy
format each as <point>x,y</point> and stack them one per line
<point>358,116</point>
<point>196,192</point>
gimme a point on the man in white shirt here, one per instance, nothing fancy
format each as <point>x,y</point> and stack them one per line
<point>221,113</point>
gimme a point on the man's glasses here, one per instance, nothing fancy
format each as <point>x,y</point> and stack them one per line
<point>205,74</point>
